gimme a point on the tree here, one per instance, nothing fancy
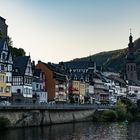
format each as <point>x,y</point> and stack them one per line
<point>121,111</point>
<point>15,51</point>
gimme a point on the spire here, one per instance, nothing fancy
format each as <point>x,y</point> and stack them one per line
<point>130,45</point>
<point>130,37</point>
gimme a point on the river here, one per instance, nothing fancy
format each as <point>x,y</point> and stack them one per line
<point>78,131</point>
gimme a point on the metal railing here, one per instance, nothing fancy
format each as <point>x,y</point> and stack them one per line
<point>56,106</point>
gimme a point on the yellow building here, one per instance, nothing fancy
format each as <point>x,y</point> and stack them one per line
<point>2,84</point>
<point>79,89</point>
<point>82,91</point>
<point>76,87</point>
<point>6,62</point>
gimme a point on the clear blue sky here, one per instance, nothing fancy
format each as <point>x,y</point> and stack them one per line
<point>61,30</point>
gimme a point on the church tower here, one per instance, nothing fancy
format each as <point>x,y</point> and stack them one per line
<point>131,72</point>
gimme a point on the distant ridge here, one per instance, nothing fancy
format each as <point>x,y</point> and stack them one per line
<point>114,60</point>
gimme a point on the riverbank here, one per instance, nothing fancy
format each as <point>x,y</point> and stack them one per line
<point>44,117</point>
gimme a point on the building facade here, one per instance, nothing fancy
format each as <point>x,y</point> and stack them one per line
<point>55,83</point>
<point>22,77</point>
<point>38,86</point>
<point>6,62</point>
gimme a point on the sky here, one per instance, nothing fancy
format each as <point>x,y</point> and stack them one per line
<point>61,30</point>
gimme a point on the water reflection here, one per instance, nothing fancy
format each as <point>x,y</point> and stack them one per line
<point>79,131</point>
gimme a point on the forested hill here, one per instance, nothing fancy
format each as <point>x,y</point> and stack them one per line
<point>115,60</point>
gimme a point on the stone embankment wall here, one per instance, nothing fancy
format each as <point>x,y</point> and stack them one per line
<point>25,118</point>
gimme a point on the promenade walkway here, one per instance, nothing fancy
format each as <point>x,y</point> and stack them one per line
<point>56,107</point>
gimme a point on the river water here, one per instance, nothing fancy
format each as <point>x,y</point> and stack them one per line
<point>78,131</point>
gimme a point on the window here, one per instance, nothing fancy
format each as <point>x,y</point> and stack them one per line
<point>37,86</point>
<point>2,89</point>
<point>6,78</point>
<point>18,91</point>
<point>128,67</point>
<point>131,67</point>
<point>134,68</point>
<point>3,56</point>
<point>2,67</point>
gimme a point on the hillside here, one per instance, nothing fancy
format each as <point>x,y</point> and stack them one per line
<point>115,60</point>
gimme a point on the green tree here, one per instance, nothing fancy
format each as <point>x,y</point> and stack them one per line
<point>15,51</point>
<point>109,115</point>
<point>121,111</point>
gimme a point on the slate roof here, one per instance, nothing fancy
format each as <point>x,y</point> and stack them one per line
<point>116,78</point>
<point>20,64</point>
<point>79,64</point>
<point>58,72</point>
<point>1,44</point>
<point>54,67</point>
<point>37,72</point>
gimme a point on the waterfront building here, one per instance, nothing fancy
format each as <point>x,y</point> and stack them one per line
<point>6,63</point>
<point>82,92</point>
<point>90,93</point>
<point>56,81</point>
<point>22,79</point>
<point>101,91</point>
<point>133,92</point>
<point>74,91</point>
<point>131,69</point>
<point>38,86</point>
<point>120,85</point>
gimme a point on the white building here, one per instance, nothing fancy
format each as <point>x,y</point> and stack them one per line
<point>6,62</point>
<point>38,86</point>
<point>22,77</point>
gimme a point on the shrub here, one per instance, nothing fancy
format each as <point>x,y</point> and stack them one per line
<point>138,117</point>
<point>129,116</point>
<point>4,123</point>
<point>121,111</point>
<point>109,115</point>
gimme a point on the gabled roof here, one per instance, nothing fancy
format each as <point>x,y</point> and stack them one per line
<point>20,63</point>
<point>54,67</point>
<point>116,78</point>
<point>2,44</point>
<point>37,72</point>
<point>57,71</point>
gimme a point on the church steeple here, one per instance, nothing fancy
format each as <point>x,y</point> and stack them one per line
<point>130,45</point>
<point>131,72</point>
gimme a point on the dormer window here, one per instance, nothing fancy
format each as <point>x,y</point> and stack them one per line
<point>16,70</point>
<point>2,67</point>
<point>3,56</point>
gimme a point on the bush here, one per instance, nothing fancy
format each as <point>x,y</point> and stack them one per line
<point>121,111</point>
<point>109,115</point>
<point>132,109</point>
<point>129,116</point>
<point>4,123</point>
<point>138,103</point>
<point>138,117</point>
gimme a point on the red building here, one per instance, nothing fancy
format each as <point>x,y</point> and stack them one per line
<point>55,81</point>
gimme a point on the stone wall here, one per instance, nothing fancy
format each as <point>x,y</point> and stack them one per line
<point>25,118</point>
